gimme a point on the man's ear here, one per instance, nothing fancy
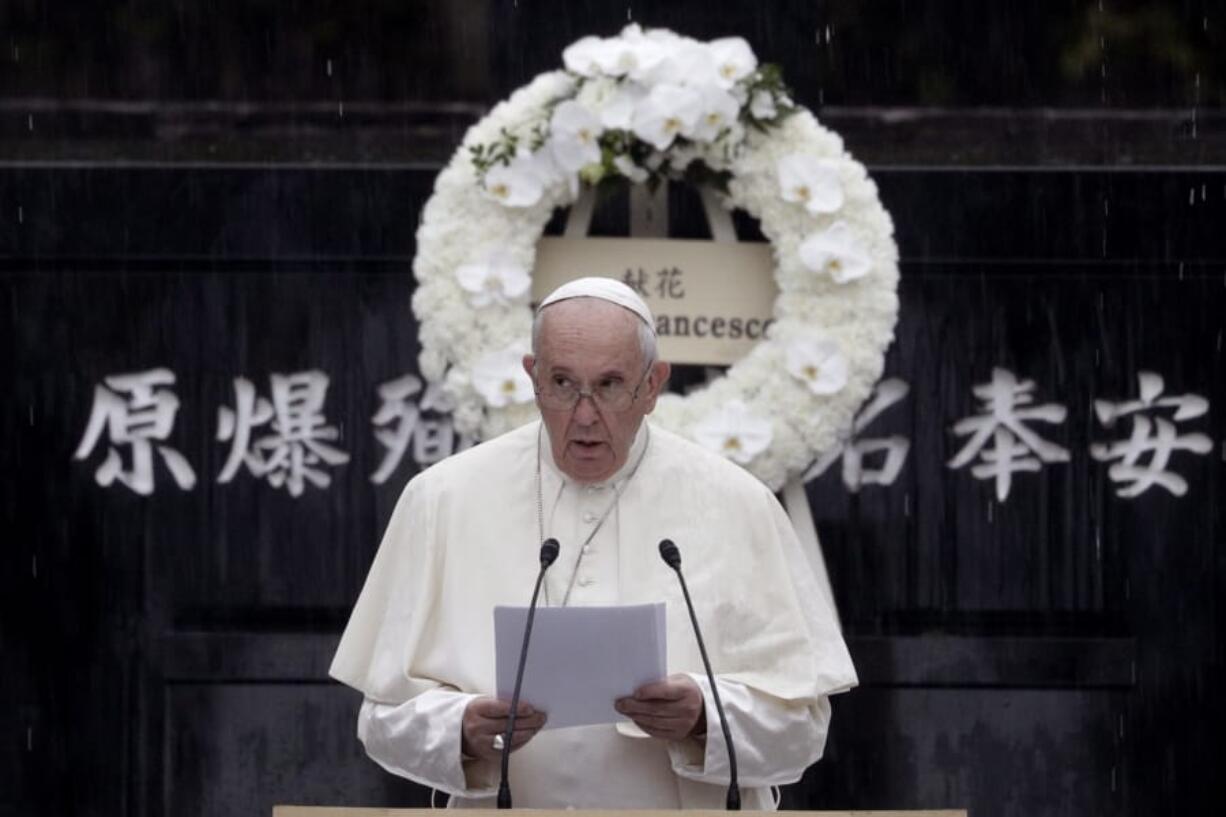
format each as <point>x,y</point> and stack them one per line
<point>529,363</point>
<point>657,379</point>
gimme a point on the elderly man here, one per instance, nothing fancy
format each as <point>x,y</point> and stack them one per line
<point>608,486</point>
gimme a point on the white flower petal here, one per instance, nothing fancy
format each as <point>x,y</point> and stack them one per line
<point>500,379</point>
<point>630,170</point>
<point>581,56</point>
<point>666,113</point>
<point>573,153</point>
<point>837,252</point>
<point>810,181</point>
<point>686,62</point>
<point>817,362</point>
<point>762,106</point>
<point>719,112</point>
<point>513,185</point>
<point>734,60</point>
<point>734,432</point>
<point>493,279</point>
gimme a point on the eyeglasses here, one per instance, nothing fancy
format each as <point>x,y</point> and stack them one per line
<point>560,393</point>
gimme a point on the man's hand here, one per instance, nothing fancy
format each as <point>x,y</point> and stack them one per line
<point>671,709</point>
<point>486,717</point>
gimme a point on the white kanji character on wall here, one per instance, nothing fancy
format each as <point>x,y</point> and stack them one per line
<point>135,409</point>
<point>399,421</point>
<point>299,442</point>
<point>1015,446</point>
<point>1154,436</point>
<point>855,450</point>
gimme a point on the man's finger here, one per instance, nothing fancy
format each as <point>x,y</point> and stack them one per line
<point>661,723</point>
<point>522,737</point>
<point>665,690</point>
<point>493,708</point>
<point>633,708</point>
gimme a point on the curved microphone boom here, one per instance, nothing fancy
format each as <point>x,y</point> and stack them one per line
<point>672,558</point>
<point>549,552</point>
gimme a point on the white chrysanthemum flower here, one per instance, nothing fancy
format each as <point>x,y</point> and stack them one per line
<point>500,379</point>
<point>813,182</point>
<point>494,279</point>
<point>574,136</point>
<point>734,432</point>
<point>817,362</point>
<point>719,112</point>
<point>734,60</point>
<point>762,106</point>
<point>837,252</point>
<point>666,113</point>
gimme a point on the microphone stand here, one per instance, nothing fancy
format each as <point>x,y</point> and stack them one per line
<point>672,557</point>
<point>549,552</point>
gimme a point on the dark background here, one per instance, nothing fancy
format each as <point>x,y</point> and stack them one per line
<point>231,189</point>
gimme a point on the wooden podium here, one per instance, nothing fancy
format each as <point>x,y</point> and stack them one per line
<point>327,811</point>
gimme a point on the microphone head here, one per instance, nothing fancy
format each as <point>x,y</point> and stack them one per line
<point>670,554</point>
<point>549,551</point>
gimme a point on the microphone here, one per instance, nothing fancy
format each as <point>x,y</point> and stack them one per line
<point>549,552</point>
<point>672,558</point>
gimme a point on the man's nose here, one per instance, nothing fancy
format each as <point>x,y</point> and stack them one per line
<point>586,412</point>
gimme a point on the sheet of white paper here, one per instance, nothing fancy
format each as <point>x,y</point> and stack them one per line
<point>580,659</point>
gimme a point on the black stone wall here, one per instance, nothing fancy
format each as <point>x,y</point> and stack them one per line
<point>231,189</point>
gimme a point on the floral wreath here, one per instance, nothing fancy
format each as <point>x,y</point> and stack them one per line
<point>642,107</point>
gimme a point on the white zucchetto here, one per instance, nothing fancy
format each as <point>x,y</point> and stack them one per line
<point>606,289</point>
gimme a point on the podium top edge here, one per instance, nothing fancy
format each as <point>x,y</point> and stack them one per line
<point>334,811</point>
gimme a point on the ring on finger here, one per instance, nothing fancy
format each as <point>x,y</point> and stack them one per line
<point>499,744</point>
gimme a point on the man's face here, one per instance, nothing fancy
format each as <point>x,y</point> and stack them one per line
<point>592,343</point>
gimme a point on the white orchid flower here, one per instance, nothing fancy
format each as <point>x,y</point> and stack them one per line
<point>666,113</point>
<point>734,60</point>
<point>638,61</point>
<point>618,111</point>
<point>500,379</point>
<point>582,57</point>
<point>574,136</point>
<point>762,106</point>
<point>612,102</point>
<point>817,362</point>
<point>630,55</point>
<point>522,182</point>
<point>836,251</point>
<point>686,62</point>
<point>494,279</point>
<point>810,181</point>
<point>629,169</point>
<point>734,432</point>
<point>719,112</point>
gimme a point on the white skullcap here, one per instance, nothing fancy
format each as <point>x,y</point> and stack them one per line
<point>606,289</point>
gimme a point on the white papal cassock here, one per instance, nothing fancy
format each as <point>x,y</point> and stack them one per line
<point>464,538</point>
